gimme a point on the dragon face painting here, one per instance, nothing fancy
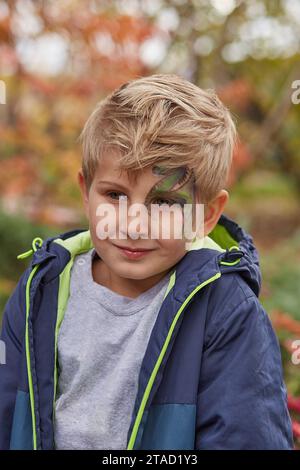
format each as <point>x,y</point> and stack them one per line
<point>176,186</point>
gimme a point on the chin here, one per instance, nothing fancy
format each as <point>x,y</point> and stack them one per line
<point>134,272</point>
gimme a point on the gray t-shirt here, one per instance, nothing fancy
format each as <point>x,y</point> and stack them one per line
<point>101,343</point>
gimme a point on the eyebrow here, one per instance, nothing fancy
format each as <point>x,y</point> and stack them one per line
<point>112,183</point>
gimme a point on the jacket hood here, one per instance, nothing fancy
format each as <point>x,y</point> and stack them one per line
<point>228,248</point>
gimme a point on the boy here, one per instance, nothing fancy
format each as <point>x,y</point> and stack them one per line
<point>132,341</point>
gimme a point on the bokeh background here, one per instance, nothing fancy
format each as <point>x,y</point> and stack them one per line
<point>58,58</point>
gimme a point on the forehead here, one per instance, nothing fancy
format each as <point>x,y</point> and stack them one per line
<point>109,168</point>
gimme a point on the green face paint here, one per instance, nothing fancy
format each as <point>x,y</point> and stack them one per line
<point>175,187</point>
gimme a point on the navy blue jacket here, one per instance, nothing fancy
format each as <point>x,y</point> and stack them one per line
<point>211,377</point>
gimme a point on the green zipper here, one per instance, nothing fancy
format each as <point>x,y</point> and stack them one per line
<point>159,361</point>
<point>36,243</point>
<point>64,291</point>
<point>28,360</point>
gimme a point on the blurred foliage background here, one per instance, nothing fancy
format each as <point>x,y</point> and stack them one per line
<point>58,58</point>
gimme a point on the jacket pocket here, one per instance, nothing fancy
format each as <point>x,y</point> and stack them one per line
<point>21,433</point>
<point>169,426</point>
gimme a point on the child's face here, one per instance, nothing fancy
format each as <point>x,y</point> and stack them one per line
<point>110,186</point>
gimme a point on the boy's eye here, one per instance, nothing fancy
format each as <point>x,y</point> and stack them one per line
<point>160,201</point>
<point>115,195</point>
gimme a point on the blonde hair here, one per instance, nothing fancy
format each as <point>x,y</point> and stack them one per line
<point>163,118</point>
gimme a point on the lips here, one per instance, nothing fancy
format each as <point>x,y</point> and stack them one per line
<point>127,248</point>
<point>133,253</point>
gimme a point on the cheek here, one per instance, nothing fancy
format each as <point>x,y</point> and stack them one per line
<point>103,217</point>
<point>173,249</point>
<point>94,201</point>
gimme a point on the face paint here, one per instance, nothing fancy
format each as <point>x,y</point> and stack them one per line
<point>177,186</point>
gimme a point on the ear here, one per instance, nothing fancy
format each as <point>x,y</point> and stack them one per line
<point>84,192</point>
<point>213,211</point>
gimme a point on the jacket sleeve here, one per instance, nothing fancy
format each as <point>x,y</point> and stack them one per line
<point>12,339</point>
<point>242,399</point>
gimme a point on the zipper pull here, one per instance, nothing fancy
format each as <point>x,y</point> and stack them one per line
<point>36,241</point>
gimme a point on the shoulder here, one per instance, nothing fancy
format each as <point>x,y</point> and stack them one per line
<point>229,291</point>
<point>233,306</point>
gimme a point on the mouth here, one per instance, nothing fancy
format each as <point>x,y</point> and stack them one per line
<point>134,253</point>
